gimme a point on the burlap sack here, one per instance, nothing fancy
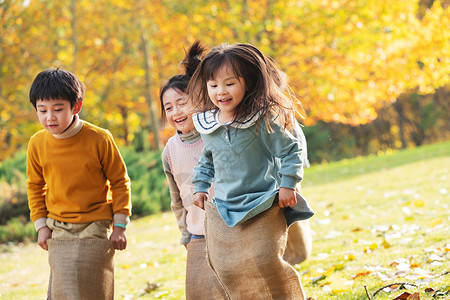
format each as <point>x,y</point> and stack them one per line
<point>299,242</point>
<point>81,269</point>
<point>201,282</point>
<point>247,258</point>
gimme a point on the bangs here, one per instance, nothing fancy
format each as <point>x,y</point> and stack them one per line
<point>213,66</point>
<point>55,84</point>
<point>51,90</point>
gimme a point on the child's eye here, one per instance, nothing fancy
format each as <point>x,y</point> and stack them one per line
<point>168,108</point>
<point>42,111</point>
<point>58,109</point>
<point>230,84</point>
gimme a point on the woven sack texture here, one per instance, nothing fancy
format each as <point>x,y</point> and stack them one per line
<point>299,242</point>
<point>81,269</point>
<point>201,282</point>
<point>248,258</point>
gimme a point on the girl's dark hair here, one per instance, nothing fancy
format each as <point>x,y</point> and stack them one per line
<point>180,82</point>
<point>53,84</point>
<point>266,89</point>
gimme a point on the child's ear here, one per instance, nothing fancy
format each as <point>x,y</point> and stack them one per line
<point>77,107</point>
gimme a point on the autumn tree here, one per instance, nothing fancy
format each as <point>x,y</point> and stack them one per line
<point>345,60</point>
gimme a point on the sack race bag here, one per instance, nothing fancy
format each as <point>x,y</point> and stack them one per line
<point>81,269</point>
<point>248,258</point>
<point>201,282</point>
<point>299,242</point>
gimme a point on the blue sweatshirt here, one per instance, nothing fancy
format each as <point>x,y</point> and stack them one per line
<point>248,166</point>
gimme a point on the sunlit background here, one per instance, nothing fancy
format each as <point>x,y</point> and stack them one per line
<point>372,75</point>
<point>373,80</point>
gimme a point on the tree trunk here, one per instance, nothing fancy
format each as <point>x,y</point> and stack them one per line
<point>73,24</point>
<point>148,95</point>
<point>401,126</point>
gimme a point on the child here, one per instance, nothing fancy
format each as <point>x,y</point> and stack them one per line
<point>179,157</point>
<point>72,166</point>
<point>255,162</point>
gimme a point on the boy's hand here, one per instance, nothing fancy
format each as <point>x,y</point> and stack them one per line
<point>43,235</point>
<point>199,199</point>
<point>118,238</point>
<point>286,197</point>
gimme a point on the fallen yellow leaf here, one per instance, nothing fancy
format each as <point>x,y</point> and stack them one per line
<point>436,222</point>
<point>419,203</point>
<point>337,284</point>
<point>349,257</point>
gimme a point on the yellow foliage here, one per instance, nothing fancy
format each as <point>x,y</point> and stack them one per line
<point>344,60</point>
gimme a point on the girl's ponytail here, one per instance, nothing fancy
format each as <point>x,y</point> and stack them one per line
<point>180,82</point>
<point>192,58</point>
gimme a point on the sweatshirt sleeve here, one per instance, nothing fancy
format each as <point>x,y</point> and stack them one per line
<point>203,172</point>
<point>116,172</point>
<point>176,203</point>
<point>36,185</point>
<point>298,133</point>
<point>282,144</point>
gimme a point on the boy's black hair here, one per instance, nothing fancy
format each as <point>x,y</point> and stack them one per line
<point>52,84</point>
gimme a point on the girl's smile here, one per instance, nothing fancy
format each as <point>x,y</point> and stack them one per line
<point>176,109</point>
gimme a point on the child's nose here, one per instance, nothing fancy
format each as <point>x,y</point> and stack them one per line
<point>221,90</point>
<point>50,116</point>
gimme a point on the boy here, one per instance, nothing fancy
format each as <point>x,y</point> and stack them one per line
<point>77,185</point>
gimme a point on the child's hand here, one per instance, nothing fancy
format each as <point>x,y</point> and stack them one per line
<point>118,238</point>
<point>286,197</point>
<point>43,235</point>
<point>199,199</point>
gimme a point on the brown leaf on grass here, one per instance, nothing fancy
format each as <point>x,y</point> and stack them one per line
<point>408,296</point>
<point>414,296</point>
<point>403,296</point>
<point>361,274</point>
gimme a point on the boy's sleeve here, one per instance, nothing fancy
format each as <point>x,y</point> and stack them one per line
<point>176,203</point>
<point>36,186</point>
<point>116,172</point>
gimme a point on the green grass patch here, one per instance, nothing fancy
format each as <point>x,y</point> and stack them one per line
<point>379,220</point>
<point>347,168</point>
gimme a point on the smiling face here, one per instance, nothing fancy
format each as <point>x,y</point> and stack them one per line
<point>226,91</point>
<point>56,115</point>
<point>177,112</point>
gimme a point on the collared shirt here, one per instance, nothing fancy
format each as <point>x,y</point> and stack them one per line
<point>248,166</point>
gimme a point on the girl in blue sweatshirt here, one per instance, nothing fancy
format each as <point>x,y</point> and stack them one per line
<point>250,153</point>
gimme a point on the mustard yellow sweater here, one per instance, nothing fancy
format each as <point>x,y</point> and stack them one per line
<point>69,179</point>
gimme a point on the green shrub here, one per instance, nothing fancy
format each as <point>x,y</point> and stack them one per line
<point>13,193</point>
<point>13,170</point>
<point>18,230</point>
<point>149,190</point>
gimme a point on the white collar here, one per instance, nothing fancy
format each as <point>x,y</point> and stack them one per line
<point>208,121</point>
<point>72,130</point>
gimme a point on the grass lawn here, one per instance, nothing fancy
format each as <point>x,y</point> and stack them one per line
<point>379,220</point>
